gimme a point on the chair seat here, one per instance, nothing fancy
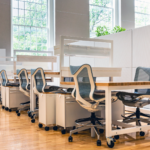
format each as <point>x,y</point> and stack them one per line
<point>13,84</point>
<point>131,99</point>
<point>51,88</point>
<point>25,103</point>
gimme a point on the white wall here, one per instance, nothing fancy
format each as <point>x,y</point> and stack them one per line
<point>5,26</point>
<point>72,18</point>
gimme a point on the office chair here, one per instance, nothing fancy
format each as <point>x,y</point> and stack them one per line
<point>5,83</point>
<point>139,99</point>
<point>24,88</point>
<point>85,96</point>
<point>40,86</point>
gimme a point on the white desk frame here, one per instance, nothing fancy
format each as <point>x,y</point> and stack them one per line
<point>108,109</point>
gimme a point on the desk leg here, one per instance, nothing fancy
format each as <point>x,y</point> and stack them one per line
<point>108,110</point>
<point>32,96</point>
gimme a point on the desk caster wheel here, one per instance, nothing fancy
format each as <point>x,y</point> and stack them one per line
<point>17,111</point>
<point>6,108</point>
<point>10,110</point>
<point>116,137</point>
<point>46,128</point>
<point>70,139</point>
<point>33,120</point>
<point>29,114</point>
<point>142,133</point>
<point>3,107</point>
<point>55,128</point>
<point>40,125</point>
<point>101,130</point>
<point>110,142</point>
<point>32,116</point>
<point>98,143</point>
<point>63,131</point>
<point>18,114</point>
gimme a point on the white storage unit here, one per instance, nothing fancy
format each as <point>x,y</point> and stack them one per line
<point>67,111</point>
<point>47,111</point>
<point>14,97</point>
<point>3,96</point>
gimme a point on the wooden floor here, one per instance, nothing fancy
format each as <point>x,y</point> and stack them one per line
<point>18,133</point>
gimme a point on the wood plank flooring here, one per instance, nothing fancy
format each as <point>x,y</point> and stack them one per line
<point>18,133</point>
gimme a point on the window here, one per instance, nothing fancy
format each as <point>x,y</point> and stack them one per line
<point>30,29</point>
<point>101,14</point>
<point>142,13</point>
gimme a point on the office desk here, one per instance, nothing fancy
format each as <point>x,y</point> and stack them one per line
<point>111,86</point>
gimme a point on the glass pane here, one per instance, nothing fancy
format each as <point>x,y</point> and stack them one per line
<point>21,13</point>
<point>33,6</point>
<point>15,29</point>
<point>15,20</point>
<point>38,7</point>
<point>21,5</point>
<point>21,21</point>
<point>15,4</point>
<point>27,13</point>
<point>104,3</point>
<point>15,12</point>
<point>27,5</point>
<point>33,14</point>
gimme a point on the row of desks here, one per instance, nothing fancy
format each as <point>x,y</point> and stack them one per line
<point>108,87</point>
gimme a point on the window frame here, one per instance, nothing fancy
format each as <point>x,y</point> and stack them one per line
<point>47,27</point>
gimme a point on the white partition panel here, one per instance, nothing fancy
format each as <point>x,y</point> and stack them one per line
<point>141,47</point>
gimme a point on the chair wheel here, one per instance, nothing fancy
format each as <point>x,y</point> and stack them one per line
<point>32,116</point>
<point>17,111</point>
<point>111,145</point>
<point>6,108</point>
<point>40,125</point>
<point>98,143</point>
<point>46,128</point>
<point>148,124</point>
<point>33,120</point>
<point>18,114</point>
<point>3,107</point>
<point>118,128</point>
<point>10,110</point>
<point>101,130</point>
<point>116,137</point>
<point>70,139</point>
<point>63,131</point>
<point>55,128</point>
<point>142,133</point>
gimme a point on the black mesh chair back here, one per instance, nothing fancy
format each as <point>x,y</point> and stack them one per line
<point>23,77</point>
<point>39,81</point>
<point>142,74</point>
<point>4,78</point>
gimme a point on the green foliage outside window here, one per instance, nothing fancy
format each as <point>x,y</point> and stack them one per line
<point>103,30</point>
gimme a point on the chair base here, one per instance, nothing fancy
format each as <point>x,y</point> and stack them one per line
<point>136,117</point>
<point>92,122</point>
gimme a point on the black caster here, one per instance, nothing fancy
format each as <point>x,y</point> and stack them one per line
<point>148,124</point>
<point>40,125</point>
<point>33,120</point>
<point>98,143</point>
<point>55,128</point>
<point>29,114</point>
<point>17,111</point>
<point>118,128</point>
<point>6,108</point>
<point>32,117</point>
<point>10,110</point>
<point>46,128</point>
<point>63,131</point>
<point>101,130</point>
<point>70,139</point>
<point>110,145</point>
<point>142,133</point>
<point>116,137</point>
<point>3,107</point>
<point>18,114</point>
